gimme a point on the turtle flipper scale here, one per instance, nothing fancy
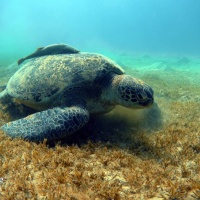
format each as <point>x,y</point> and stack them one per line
<point>50,124</point>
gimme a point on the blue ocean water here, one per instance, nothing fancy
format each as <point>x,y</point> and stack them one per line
<point>142,26</point>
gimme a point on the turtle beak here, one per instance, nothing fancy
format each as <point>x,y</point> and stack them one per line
<point>146,96</point>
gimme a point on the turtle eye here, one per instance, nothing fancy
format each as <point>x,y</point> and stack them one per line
<point>142,96</point>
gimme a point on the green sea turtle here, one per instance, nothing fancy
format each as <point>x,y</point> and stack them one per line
<point>50,50</point>
<point>66,89</point>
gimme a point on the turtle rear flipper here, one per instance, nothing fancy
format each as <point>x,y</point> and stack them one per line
<point>50,124</point>
<point>4,96</point>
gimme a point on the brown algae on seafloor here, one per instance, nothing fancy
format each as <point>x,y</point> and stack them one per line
<point>154,162</point>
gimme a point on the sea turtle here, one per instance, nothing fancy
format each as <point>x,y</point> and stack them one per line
<point>50,50</point>
<point>65,89</point>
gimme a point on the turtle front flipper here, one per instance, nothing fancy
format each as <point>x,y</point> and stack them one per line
<point>50,124</point>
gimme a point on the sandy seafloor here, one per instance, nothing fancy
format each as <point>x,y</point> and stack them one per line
<point>125,154</point>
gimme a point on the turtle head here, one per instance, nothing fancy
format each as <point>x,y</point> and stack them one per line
<point>132,92</point>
